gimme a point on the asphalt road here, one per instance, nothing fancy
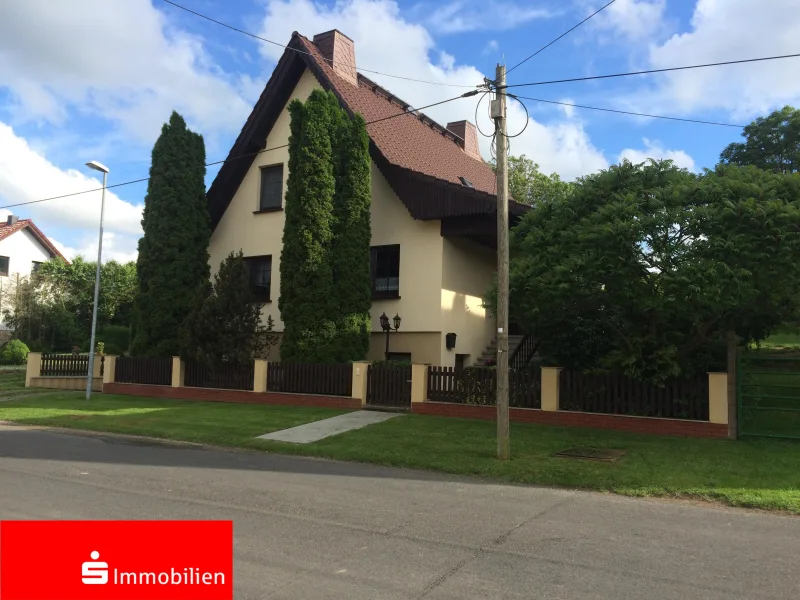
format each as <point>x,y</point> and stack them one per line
<point>307,529</point>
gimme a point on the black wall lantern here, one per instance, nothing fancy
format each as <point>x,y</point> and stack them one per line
<point>450,341</point>
<point>387,327</point>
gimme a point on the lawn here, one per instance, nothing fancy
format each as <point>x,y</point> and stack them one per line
<point>758,473</point>
<point>204,422</point>
<point>784,338</point>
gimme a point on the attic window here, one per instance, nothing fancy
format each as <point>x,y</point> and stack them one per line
<point>466,182</point>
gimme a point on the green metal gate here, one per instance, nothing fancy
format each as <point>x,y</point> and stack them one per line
<point>769,395</point>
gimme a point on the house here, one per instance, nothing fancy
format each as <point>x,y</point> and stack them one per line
<point>433,206</point>
<point>23,247</point>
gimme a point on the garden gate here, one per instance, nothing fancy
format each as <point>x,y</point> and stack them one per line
<point>769,395</point>
<point>389,386</point>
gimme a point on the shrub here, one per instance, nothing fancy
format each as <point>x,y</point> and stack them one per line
<point>14,352</point>
<point>116,337</point>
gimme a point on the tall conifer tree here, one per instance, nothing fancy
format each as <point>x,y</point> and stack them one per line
<point>172,266</point>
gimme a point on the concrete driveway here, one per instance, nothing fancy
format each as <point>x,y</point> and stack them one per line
<point>317,529</point>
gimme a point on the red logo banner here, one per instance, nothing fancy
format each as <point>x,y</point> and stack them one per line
<point>116,560</point>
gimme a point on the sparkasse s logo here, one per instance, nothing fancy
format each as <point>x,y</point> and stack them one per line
<point>158,560</point>
<point>96,573</point>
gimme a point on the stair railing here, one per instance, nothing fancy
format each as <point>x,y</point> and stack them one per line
<point>524,352</point>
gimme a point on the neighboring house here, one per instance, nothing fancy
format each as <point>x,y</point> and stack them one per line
<point>433,206</point>
<point>23,247</point>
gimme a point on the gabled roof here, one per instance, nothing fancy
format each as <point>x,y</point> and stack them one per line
<point>420,159</point>
<point>7,230</point>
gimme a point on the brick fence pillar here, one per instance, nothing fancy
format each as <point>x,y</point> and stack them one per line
<point>718,398</point>
<point>360,381</point>
<point>178,371</point>
<point>260,376</point>
<point>110,368</point>
<point>419,383</point>
<point>550,391</point>
<point>34,367</point>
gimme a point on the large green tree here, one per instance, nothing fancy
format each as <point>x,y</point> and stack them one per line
<point>771,143</point>
<point>225,326</point>
<point>173,253</point>
<point>643,268</point>
<point>351,235</point>
<point>307,304</point>
<point>527,184</point>
<point>52,309</point>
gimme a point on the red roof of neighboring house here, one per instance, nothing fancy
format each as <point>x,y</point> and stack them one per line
<point>6,230</point>
<point>422,160</point>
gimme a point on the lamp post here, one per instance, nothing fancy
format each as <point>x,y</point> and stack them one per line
<point>104,170</point>
<point>387,327</point>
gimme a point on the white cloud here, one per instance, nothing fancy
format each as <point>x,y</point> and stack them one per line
<point>731,30</point>
<point>459,16</point>
<point>654,149</point>
<point>491,46</point>
<point>118,60</point>
<point>562,146</point>
<point>26,175</point>
<point>115,247</point>
<point>633,19</point>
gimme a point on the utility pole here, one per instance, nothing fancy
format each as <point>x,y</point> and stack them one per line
<point>498,109</point>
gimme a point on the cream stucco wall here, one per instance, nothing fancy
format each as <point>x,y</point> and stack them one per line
<point>260,234</point>
<point>432,302</point>
<point>468,271</point>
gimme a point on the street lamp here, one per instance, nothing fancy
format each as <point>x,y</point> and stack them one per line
<point>104,170</point>
<point>387,327</point>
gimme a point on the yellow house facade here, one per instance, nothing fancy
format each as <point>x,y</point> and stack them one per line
<point>432,252</point>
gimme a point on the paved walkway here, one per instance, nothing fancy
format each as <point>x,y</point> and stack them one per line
<point>318,430</point>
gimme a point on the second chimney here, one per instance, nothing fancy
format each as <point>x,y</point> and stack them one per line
<point>340,50</point>
<point>469,137</point>
<point>12,220</point>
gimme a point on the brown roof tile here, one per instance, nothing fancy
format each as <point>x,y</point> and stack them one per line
<point>406,141</point>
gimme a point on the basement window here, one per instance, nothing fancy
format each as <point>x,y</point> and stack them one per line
<point>385,267</point>
<point>466,182</point>
<point>260,268</point>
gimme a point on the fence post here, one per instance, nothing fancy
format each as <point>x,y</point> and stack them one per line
<point>550,391</point>
<point>419,383</point>
<point>96,366</point>
<point>110,368</point>
<point>34,367</point>
<point>178,371</point>
<point>260,376</point>
<point>718,398</point>
<point>360,381</point>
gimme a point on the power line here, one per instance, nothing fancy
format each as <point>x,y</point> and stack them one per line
<point>258,37</point>
<point>408,111</point>
<point>717,64</point>
<point>568,31</point>
<point>626,112</point>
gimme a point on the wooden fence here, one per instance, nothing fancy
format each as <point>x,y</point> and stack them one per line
<point>65,365</point>
<point>310,378</point>
<point>145,370</point>
<point>224,377</point>
<point>613,393</point>
<point>478,385</point>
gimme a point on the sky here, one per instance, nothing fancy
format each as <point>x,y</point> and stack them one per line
<point>88,80</point>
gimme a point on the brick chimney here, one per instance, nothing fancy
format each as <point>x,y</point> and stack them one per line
<point>340,49</point>
<point>469,137</point>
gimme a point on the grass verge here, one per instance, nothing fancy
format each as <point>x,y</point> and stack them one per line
<point>755,473</point>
